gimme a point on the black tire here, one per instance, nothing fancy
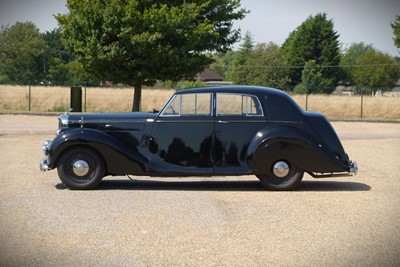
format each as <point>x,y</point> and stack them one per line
<point>287,183</point>
<point>81,168</point>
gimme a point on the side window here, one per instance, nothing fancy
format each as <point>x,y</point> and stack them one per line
<point>173,107</point>
<point>235,104</point>
<point>196,104</point>
<point>189,105</point>
<point>251,105</point>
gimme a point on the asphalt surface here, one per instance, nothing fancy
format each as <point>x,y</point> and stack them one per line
<point>232,221</point>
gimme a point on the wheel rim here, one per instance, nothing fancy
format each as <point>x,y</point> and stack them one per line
<point>281,169</point>
<point>80,167</point>
<point>283,175</point>
<point>282,172</point>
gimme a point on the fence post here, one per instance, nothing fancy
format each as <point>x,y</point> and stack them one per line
<point>30,94</point>
<point>85,97</point>
<point>76,99</point>
<point>362,100</point>
<point>307,99</point>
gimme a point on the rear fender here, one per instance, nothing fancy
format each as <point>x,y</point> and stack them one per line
<point>293,145</point>
<point>119,159</point>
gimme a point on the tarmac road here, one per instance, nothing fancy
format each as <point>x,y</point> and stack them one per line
<point>220,221</point>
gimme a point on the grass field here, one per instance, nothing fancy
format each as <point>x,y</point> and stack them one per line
<point>57,99</point>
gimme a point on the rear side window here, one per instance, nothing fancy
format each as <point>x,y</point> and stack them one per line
<point>237,104</point>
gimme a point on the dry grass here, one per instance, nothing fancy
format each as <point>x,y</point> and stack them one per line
<point>53,98</point>
<point>349,107</point>
<point>16,98</point>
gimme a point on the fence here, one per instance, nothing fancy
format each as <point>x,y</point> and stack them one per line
<point>107,99</point>
<point>94,99</point>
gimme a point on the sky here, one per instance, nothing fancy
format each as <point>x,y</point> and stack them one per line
<point>355,21</point>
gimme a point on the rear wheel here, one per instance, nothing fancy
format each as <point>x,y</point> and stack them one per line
<point>283,176</point>
<point>81,168</point>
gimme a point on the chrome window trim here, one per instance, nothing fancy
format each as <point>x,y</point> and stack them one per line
<point>167,105</point>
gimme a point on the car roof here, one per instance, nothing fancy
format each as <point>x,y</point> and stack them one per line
<point>277,104</point>
<point>254,90</point>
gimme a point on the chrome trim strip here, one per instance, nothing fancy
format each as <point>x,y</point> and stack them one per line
<point>240,121</point>
<point>294,122</point>
<point>180,120</point>
<point>184,121</point>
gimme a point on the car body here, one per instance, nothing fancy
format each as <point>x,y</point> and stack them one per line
<point>217,131</point>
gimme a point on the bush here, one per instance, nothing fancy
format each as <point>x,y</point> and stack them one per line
<point>188,84</point>
<point>300,89</point>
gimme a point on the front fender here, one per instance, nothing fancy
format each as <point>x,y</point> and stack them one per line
<point>120,159</point>
<point>291,144</point>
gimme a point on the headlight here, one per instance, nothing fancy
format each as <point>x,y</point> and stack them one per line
<point>46,147</point>
<point>62,122</point>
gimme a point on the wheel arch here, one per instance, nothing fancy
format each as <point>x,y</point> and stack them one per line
<point>116,157</point>
<point>72,146</point>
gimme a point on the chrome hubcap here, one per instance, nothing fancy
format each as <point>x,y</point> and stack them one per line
<point>281,169</point>
<point>80,167</point>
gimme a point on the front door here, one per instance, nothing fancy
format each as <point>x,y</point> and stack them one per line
<point>182,136</point>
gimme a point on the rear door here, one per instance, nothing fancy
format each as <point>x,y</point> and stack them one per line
<point>238,118</point>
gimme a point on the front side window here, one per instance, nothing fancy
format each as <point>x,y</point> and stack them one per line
<point>236,104</point>
<point>189,105</point>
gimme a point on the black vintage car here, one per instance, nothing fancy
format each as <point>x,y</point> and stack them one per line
<point>220,131</point>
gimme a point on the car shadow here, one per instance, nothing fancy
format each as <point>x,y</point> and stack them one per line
<point>332,186</point>
<point>156,185</point>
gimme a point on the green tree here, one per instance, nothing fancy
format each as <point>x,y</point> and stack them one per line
<point>71,73</point>
<point>313,81</point>
<point>222,63</point>
<point>368,69</point>
<point>55,56</point>
<point>396,31</point>
<point>350,58</point>
<point>315,39</point>
<point>237,72</point>
<point>375,71</point>
<point>266,66</point>
<point>21,47</point>
<point>56,47</point>
<point>138,42</point>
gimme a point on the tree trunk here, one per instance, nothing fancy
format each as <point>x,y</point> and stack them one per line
<point>137,97</point>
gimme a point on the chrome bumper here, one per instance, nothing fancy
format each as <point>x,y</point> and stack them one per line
<point>354,168</point>
<point>44,164</point>
<point>352,171</point>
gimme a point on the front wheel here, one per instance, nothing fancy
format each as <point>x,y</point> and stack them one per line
<point>282,177</point>
<point>81,168</point>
